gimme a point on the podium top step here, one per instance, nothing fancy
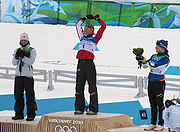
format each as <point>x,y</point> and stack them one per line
<point>71,114</point>
<point>7,119</point>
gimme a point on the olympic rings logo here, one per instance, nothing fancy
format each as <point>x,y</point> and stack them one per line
<point>59,128</point>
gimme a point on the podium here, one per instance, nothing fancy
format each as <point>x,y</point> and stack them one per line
<point>68,122</point>
<point>9,125</point>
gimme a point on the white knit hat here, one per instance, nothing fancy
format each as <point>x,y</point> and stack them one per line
<point>24,36</point>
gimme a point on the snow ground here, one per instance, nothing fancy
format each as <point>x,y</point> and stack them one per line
<point>54,44</point>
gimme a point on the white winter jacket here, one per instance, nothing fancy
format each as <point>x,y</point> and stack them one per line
<point>27,69</point>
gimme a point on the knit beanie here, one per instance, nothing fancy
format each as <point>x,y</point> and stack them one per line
<point>162,43</point>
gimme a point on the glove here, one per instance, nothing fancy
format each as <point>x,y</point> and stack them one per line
<point>19,53</point>
<point>16,56</point>
<point>141,60</point>
<point>96,17</point>
<point>84,18</point>
<point>138,51</point>
<point>89,16</point>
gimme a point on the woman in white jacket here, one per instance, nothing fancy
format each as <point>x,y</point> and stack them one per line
<point>23,59</point>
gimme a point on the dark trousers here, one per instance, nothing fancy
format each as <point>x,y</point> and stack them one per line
<point>24,83</point>
<point>86,71</point>
<point>156,97</point>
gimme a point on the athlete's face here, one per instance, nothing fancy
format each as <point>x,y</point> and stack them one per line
<point>159,49</point>
<point>87,30</point>
<point>24,42</point>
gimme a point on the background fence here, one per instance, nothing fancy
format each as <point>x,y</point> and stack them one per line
<point>9,73</point>
<point>108,80</point>
<point>113,12</point>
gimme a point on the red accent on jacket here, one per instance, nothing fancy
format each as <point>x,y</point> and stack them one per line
<point>83,54</point>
